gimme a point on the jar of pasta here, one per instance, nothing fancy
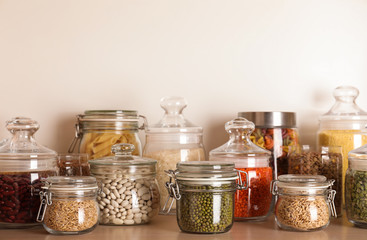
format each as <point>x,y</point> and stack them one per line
<point>174,139</point>
<point>252,162</point>
<point>98,130</point>
<point>344,124</point>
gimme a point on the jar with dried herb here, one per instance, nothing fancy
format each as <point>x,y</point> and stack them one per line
<point>304,202</point>
<point>69,205</point>
<point>205,195</point>
<point>254,203</point>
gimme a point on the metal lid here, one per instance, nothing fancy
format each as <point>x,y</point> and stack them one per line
<point>271,119</point>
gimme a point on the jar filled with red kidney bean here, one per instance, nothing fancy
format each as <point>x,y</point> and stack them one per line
<point>23,165</point>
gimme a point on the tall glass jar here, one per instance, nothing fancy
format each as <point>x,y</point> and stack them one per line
<point>344,124</point>
<point>69,205</point>
<point>276,132</point>
<point>130,194</point>
<point>98,130</point>
<point>174,139</point>
<point>23,165</point>
<point>304,203</point>
<point>356,187</point>
<point>204,191</point>
<point>254,203</point>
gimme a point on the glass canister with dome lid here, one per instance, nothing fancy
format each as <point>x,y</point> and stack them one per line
<point>172,140</point>
<point>23,165</point>
<point>254,203</point>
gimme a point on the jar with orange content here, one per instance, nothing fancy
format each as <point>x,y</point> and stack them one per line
<point>256,202</point>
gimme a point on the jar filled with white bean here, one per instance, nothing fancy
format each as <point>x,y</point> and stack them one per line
<point>129,193</point>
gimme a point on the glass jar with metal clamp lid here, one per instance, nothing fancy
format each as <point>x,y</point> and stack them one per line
<point>305,202</point>
<point>98,130</point>
<point>69,205</point>
<point>204,191</point>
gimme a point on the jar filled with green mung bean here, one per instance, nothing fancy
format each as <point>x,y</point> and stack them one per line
<point>204,191</point>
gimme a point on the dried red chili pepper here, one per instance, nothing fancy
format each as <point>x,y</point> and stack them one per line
<point>255,202</point>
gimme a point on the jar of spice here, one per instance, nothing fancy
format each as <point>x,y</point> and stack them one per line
<point>98,130</point>
<point>255,203</point>
<point>304,203</point>
<point>356,187</point>
<point>204,191</point>
<point>69,205</point>
<point>73,164</point>
<point>276,132</point>
<point>23,165</point>
<point>130,193</point>
<point>174,139</point>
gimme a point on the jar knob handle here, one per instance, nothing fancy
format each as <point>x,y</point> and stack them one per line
<point>125,149</point>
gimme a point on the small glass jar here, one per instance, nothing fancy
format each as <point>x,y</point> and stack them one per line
<point>204,191</point>
<point>69,205</point>
<point>174,139</point>
<point>23,165</point>
<point>256,202</point>
<point>73,164</point>
<point>304,203</point>
<point>130,193</point>
<point>276,132</point>
<point>356,187</point>
<point>98,130</point>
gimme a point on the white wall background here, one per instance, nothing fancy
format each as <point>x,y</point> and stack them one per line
<point>59,58</point>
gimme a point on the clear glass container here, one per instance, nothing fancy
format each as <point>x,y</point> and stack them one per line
<point>174,139</point>
<point>23,164</point>
<point>130,194</point>
<point>256,202</point>
<point>344,124</point>
<point>304,202</point>
<point>327,161</point>
<point>69,205</point>
<point>204,192</point>
<point>276,132</point>
<point>98,130</point>
<point>356,187</point>
<point>73,164</point>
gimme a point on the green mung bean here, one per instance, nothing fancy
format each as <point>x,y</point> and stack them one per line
<point>356,196</point>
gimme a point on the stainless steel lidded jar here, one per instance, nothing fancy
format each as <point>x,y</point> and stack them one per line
<point>130,194</point>
<point>174,139</point>
<point>276,132</point>
<point>98,130</point>
<point>23,165</point>
<point>204,192</point>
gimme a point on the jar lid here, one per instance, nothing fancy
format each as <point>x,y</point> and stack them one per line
<point>22,146</point>
<point>75,183</point>
<point>206,171</point>
<point>303,181</point>
<point>173,120</point>
<point>123,157</point>
<point>358,158</point>
<point>271,119</point>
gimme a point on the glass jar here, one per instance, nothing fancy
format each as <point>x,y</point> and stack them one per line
<point>130,193</point>
<point>328,161</point>
<point>254,203</point>
<point>304,203</point>
<point>69,205</point>
<point>344,124</point>
<point>98,130</point>
<point>23,164</point>
<point>204,191</point>
<point>276,132</point>
<point>174,139</point>
<point>356,187</point>
<point>73,164</point>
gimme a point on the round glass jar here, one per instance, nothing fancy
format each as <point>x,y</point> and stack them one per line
<point>69,205</point>
<point>130,193</point>
<point>304,203</point>
<point>276,132</point>
<point>204,192</point>
<point>174,139</point>
<point>99,130</point>
<point>23,164</point>
<point>254,203</point>
<point>356,187</point>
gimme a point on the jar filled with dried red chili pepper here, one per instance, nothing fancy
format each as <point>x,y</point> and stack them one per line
<point>276,132</point>
<point>254,203</point>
